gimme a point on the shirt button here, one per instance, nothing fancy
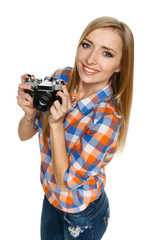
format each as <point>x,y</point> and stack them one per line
<point>85,175</point>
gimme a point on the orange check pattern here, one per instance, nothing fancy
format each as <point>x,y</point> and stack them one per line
<point>91,132</point>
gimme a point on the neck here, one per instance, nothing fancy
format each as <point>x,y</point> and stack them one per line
<point>84,90</point>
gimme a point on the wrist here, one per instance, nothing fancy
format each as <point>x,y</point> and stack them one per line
<point>56,125</point>
<point>29,119</point>
<point>29,116</point>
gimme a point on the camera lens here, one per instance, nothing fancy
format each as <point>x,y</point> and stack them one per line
<point>43,101</point>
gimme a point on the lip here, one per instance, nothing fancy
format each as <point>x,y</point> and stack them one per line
<point>88,70</point>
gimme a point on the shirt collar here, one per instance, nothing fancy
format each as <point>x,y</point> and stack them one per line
<point>90,102</point>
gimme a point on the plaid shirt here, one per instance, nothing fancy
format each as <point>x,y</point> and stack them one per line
<point>91,132</point>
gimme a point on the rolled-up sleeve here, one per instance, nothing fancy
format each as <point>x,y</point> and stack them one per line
<point>92,151</point>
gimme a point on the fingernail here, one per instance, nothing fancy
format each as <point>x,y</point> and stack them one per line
<point>62,82</point>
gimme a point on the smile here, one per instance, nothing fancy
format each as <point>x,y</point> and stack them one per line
<point>89,70</point>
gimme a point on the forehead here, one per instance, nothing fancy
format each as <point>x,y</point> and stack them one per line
<point>108,37</point>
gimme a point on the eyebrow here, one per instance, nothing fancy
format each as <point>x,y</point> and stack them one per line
<point>107,48</point>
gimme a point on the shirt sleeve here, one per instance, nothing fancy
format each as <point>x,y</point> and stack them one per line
<point>93,151</point>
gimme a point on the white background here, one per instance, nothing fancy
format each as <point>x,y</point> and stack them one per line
<point>39,37</point>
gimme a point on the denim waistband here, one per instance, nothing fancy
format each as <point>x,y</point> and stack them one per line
<point>101,198</point>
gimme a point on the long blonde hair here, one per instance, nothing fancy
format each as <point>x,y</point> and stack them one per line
<point>122,83</point>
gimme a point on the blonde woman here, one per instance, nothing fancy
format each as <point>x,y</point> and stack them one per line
<point>80,136</point>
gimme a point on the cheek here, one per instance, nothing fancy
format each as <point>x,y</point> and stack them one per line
<point>81,54</point>
<point>78,58</point>
<point>78,62</point>
<point>110,67</point>
<point>107,67</point>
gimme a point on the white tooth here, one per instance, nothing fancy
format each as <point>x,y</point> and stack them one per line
<point>89,70</point>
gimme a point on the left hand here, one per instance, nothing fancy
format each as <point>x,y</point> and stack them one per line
<point>58,111</point>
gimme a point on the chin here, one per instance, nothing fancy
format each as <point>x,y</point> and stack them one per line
<point>86,79</point>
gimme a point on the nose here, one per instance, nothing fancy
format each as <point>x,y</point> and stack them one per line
<point>92,58</point>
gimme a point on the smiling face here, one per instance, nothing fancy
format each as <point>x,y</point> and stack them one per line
<point>98,57</point>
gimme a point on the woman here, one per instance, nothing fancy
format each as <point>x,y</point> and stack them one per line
<point>81,135</point>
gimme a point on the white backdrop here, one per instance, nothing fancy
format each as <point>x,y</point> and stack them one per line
<point>39,37</point>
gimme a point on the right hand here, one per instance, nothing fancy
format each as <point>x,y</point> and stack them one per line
<point>24,100</point>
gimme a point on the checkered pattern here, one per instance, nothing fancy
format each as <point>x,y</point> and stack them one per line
<point>91,132</point>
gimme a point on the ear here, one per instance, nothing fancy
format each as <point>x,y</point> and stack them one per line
<point>118,70</point>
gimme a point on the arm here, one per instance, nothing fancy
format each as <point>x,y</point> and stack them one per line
<point>59,154</point>
<point>26,129</point>
<point>57,137</point>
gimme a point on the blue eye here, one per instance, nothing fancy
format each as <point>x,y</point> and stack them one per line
<point>85,45</point>
<point>107,54</point>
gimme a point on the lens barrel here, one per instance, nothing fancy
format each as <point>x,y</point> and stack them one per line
<point>43,101</point>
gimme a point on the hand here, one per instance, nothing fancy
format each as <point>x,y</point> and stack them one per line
<point>24,100</point>
<point>58,111</point>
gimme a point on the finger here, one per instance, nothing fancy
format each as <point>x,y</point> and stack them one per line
<point>58,108</point>
<point>24,95</point>
<point>66,94</point>
<point>65,90</point>
<point>27,97</point>
<point>53,111</point>
<point>64,100</point>
<point>25,86</point>
<point>22,87</point>
<point>24,103</point>
<point>23,77</point>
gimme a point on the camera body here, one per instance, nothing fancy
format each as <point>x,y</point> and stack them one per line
<point>44,92</point>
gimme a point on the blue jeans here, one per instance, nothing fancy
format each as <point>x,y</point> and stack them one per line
<point>90,224</point>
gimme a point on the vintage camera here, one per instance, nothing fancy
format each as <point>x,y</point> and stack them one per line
<point>44,92</point>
